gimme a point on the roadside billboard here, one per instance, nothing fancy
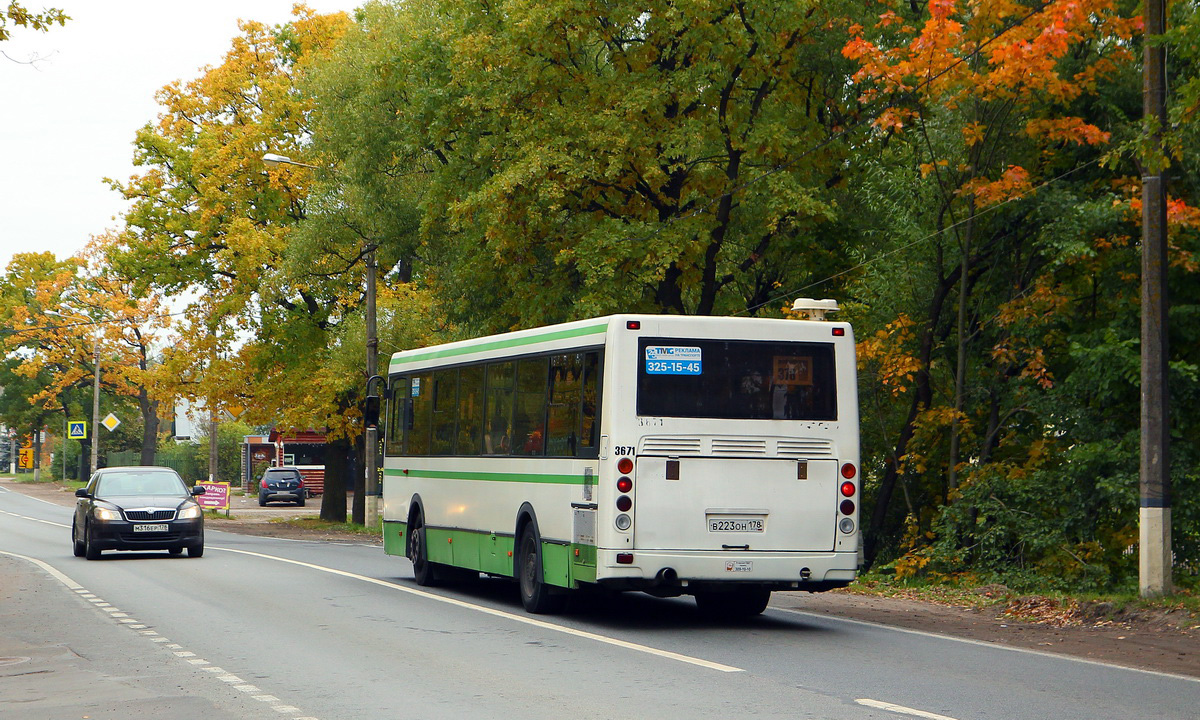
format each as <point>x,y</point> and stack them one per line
<point>215,497</point>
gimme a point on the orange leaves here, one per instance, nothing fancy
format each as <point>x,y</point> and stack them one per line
<point>1014,182</point>
<point>1066,130</point>
<point>1022,48</point>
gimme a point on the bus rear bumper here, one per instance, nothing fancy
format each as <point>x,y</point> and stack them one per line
<point>679,572</point>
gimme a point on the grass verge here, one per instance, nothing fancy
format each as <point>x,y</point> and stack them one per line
<point>317,524</point>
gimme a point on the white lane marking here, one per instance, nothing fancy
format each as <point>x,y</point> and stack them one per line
<point>26,517</point>
<point>184,655</point>
<point>995,646</point>
<point>71,584</point>
<point>902,710</point>
<point>14,492</point>
<point>506,615</point>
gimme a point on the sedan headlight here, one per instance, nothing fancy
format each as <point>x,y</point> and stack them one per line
<point>190,512</point>
<point>105,513</point>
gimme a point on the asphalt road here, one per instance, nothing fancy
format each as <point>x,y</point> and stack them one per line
<point>270,628</point>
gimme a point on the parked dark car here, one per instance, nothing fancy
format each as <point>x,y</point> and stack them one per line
<point>137,508</point>
<point>282,483</point>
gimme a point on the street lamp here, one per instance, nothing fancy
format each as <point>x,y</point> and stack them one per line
<point>372,429</point>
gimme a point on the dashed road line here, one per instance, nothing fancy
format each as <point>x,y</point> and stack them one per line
<point>891,707</point>
<point>187,656</point>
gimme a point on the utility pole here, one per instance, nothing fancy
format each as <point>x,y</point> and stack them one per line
<point>372,431</point>
<point>1154,549</point>
<point>96,409</point>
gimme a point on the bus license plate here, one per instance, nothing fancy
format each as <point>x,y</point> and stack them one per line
<point>149,528</point>
<point>754,525</point>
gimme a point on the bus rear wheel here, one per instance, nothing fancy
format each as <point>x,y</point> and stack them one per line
<point>424,572</point>
<point>733,604</point>
<point>536,596</point>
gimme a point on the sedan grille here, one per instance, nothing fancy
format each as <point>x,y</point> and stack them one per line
<point>141,515</point>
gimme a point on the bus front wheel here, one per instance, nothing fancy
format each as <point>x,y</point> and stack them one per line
<point>537,597</point>
<point>424,571</point>
<point>733,604</point>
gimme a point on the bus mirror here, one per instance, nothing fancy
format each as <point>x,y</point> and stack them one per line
<point>371,411</point>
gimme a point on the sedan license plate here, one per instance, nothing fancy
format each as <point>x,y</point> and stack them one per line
<point>736,524</point>
<point>150,528</point>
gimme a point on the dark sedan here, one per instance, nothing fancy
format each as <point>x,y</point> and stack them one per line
<point>137,508</point>
<point>282,483</point>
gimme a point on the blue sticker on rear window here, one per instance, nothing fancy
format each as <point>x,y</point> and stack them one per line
<point>665,360</point>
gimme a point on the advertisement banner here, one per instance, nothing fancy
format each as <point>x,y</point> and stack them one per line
<point>215,497</point>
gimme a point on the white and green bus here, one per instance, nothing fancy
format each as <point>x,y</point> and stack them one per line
<point>710,456</point>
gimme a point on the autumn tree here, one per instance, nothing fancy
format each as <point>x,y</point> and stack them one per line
<point>210,219</point>
<point>63,316</point>
<point>553,160</point>
<point>990,124</point>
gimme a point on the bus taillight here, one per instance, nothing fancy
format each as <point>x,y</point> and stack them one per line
<point>624,502</point>
<point>847,507</point>
<point>848,489</point>
<point>849,471</point>
<point>624,466</point>
<point>624,484</point>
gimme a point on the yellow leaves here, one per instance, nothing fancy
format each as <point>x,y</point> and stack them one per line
<point>927,168</point>
<point>973,133</point>
<point>895,367</point>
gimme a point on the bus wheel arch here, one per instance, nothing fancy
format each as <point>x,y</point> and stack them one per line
<point>536,596</point>
<point>424,572</point>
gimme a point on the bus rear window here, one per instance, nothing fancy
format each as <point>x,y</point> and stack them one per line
<point>736,379</point>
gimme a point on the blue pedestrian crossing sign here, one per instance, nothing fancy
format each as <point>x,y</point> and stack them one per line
<point>77,430</point>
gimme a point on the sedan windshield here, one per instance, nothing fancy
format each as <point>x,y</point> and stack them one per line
<point>140,483</point>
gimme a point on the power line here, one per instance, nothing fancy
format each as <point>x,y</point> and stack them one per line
<point>918,241</point>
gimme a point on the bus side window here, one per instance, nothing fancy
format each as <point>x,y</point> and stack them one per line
<point>497,439</point>
<point>529,416</point>
<point>470,411</point>
<point>445,409</point>
<point>421,392</point>
<point>562,415</point>
<point>394,430</point>
<point>590,410</point>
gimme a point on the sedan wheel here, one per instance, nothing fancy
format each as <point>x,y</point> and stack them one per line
<point>91,552</point>
<point>77,546</point>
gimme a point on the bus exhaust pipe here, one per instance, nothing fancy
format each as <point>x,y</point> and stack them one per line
<point>805,574</point>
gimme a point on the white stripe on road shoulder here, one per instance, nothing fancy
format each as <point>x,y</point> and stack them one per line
<point>993,645</point>
<point>506,615</point>
<point>901,709</point>
<point>71,584</point>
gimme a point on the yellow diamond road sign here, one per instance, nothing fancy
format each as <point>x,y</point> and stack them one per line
<point>111,422</point>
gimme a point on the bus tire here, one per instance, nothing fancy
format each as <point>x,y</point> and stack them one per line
<point>424,572</point>
<point>536,596</point>
<point>733,604</point>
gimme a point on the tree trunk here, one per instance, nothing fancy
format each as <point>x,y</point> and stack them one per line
<point>149,410</point>
<point>333,502</point>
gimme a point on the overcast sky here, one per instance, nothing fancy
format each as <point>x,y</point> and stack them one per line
<point>68,120</point>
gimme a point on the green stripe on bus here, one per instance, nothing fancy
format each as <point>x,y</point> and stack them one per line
<point>499,344</point>
<point>549,479</point>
